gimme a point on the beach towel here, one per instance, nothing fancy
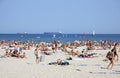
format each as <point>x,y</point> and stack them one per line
<point>113,72</point>
<point>52,63</point>
<point>117,64</point>
<point>2,56</point>
<point>98,72</point>
<point>97,64</point>
<point>83,65</point>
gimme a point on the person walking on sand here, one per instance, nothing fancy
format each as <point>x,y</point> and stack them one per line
<point>114,50</point>
<point>36,55</point>
<point>112,56</point>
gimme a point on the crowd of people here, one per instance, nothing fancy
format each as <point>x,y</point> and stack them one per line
<point>15,49</point>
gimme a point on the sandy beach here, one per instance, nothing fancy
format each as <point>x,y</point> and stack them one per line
<point>79,67</point>
<point>59,38</point>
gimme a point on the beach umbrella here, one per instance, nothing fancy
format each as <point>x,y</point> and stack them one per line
<point>95,41</point>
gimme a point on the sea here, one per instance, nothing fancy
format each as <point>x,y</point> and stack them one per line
<point>66,38</point>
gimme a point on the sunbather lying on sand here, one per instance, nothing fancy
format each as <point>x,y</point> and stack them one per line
<point>59,62</point>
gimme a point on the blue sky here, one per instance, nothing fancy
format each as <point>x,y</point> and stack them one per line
<point>68,16</point>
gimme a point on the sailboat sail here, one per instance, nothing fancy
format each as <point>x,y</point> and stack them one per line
<point>54,36</point>
<point>93,33</point>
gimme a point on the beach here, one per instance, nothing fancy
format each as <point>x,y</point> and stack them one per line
<point>59,38</point>
<point>94,67</point>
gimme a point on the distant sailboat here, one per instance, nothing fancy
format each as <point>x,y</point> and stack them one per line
<point>93,33</point>
<point>54,35</point>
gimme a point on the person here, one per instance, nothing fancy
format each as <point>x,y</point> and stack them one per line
<point>36,55</point>
<point>15,53</point>
<point>112,55</point>
<point>59,61</point>
<point>56,46</point>
<point>7,54</point>
<point>23,55</point>
<point>114,50</point>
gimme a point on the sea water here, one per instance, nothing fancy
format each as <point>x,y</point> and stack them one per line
<point>62,37</point>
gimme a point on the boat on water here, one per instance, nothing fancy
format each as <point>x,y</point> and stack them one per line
<point>93,33</point>
<point>54,36</point>
<point>22,33</point>
<point>51,33</point>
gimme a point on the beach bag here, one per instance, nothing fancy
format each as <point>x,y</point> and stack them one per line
<point>64,63</point>
<point>69,58</point>
<point>42,58</point>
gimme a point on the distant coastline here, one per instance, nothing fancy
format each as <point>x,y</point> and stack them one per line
<point>65,33</point>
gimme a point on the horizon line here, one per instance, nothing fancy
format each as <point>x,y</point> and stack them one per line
<point>61,33</point>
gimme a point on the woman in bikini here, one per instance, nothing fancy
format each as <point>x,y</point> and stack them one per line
<point>112,55</point>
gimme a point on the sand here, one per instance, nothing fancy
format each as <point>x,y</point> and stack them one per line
<point>78,68</point>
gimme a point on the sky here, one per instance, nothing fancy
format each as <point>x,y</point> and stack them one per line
<point>67,16</point>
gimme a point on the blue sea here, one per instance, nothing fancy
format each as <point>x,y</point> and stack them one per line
<point>61,37</point>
